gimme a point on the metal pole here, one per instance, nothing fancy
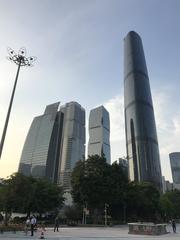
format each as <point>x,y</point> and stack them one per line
<point>19,59</point>
<point>124,211</point>
<point>9,110</point>
<point>105,217</point>
<point>83,220</point>
<point>84,216</point>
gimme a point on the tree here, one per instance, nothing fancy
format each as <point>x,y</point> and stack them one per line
<point>89,182</point>
<point>46,196</point>
<point>95,183</point>
<point>143,201</point>
<point>5,202</point>
<point>170,204</point>
<point>78,182</point>
<point>14,194</point>
<point>27,194</point>
<point>118,182</point>
<point>18,192</point>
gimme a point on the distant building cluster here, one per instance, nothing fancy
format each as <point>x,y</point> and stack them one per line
<point>167,185</point>
<point>55,142</point>
<point>175,169</point>
<point>56,139</point>
<point>124,164</point>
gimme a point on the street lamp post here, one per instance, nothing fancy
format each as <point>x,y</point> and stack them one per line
<point>85,213</point>
<point>105,214</point>
<point>21,60</point>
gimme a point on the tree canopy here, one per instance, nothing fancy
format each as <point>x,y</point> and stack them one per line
<point>96,184</point>
<point>170,204</point>
<point>26,194</point>
<point>143,201</point>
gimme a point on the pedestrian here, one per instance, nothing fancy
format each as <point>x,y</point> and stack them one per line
<point>33,223</point>
<point>173,223</point>
<point>42,231</point>
<point>56,224</point>
<point>27,224</point>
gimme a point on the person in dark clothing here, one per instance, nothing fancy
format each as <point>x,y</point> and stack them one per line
<point>56,224</point>
<point>173,225</point>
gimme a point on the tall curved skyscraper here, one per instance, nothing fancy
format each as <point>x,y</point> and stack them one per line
<point>141,136</point>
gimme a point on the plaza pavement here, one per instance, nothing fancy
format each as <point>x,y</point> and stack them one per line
<point>91,233</point>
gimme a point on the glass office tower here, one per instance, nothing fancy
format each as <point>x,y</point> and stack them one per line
<point>40,155</point>
<point>55,142</point>
<point>73,143</point>
<point>99,133</point>
<point>175,167</point>
<point>141,136</point>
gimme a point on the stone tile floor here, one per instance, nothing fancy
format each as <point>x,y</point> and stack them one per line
<point>87,233</point>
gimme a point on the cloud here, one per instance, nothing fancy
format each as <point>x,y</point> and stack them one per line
<point>176,122</point>
<point>168,126</point>
<point>115,107</point>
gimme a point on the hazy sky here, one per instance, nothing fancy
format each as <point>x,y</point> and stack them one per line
<point>79,46</point>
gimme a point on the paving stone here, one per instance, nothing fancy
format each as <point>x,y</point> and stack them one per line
<point>91,233</point>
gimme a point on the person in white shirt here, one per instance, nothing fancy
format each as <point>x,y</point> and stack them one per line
<point>33,223</point>
<point>27,224</point>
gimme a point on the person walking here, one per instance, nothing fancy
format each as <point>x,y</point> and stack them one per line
<point>42,231</point>
<point>27,224</point>
<point>173,223</point>
<point>56,224</point>
<point>33,223</point>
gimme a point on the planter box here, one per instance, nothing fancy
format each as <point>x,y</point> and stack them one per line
<point>147,229</point>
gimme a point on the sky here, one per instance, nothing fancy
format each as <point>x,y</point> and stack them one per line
<point>79,50</point>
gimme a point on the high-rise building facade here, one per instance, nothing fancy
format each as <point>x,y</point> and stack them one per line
<point>124,164</point>
<point>55,142</point>
<point>99,133</point>
<point>175,168</point>
<point>73,143</point>
<point>141,136</point>
<point>167,185</point>
<point>40,155</point>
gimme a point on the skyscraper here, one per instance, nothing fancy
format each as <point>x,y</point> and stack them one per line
<point>99,133</point>
<point>124,164</point>
<point>175,168</point>
<point>141,136</point>
<point>73,143</point>
<point>55,142</point>
<point>40,155</point>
